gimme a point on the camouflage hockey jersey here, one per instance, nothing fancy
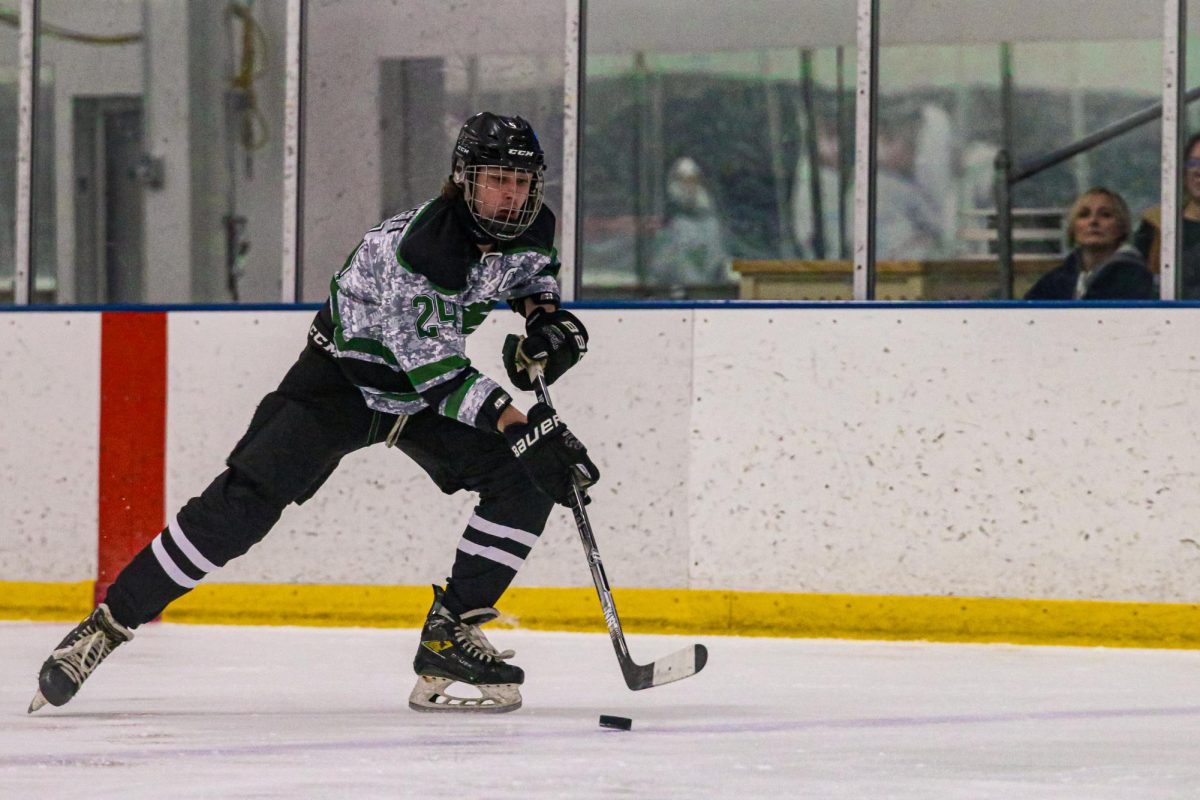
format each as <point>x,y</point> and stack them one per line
<point>401,308</point>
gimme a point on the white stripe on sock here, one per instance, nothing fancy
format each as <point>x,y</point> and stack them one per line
<point>169,566</point>
<point>491,553</point>
<point>189,549</point>
<point>501,531</point>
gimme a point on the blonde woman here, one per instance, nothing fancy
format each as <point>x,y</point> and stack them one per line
<point>1100,266</point>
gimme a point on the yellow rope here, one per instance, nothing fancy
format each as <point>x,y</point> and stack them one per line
<point>255,132</point>
<point>13,19</point>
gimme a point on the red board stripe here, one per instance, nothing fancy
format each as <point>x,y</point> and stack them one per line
<point>133,437</point>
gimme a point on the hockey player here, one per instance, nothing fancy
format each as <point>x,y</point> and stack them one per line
<point>385,361</point>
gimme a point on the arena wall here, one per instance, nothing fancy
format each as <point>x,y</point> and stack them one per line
<point>963,473</point>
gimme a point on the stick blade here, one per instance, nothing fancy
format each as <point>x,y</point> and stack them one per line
<point>668,669</point>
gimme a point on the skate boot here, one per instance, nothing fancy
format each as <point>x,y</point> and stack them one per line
<point>77,657</point>
<point>453,649</point>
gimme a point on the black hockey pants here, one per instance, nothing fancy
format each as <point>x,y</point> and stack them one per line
<point>295,441</point>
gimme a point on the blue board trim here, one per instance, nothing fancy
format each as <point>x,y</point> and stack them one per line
<point>647,305</point>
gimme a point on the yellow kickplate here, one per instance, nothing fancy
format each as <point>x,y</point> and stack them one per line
<point>694,611</point>
<point>46,601</point>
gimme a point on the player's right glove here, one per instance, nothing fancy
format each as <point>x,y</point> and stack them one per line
<point>552,455</point>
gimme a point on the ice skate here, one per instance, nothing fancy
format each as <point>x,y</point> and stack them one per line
<point>77,656</point>
<point>454,650</point>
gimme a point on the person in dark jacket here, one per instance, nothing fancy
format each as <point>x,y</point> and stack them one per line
<point>1148,236</point>
<point>1100,266</point>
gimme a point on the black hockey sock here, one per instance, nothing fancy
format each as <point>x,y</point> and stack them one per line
<point>466,592</point>
<point>226,520</point>
<point>489,555</point>
<point>165,570</point>
<point>142,590</point>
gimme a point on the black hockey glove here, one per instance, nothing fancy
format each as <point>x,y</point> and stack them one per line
<point>555,338</point>
<point>552,455</point>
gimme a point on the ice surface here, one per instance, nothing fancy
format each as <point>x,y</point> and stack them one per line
<point>228,712</point>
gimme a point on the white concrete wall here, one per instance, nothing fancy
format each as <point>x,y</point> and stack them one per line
<point>49,446</point>
<point>977,452</point>
<point>379,519</point>
<point>1006,453</point>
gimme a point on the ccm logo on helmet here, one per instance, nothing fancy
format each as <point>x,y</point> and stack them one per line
<point>530,439</point>
<point>520,152</point>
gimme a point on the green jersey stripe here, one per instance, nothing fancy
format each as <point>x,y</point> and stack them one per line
<point>401,397</point>
<point>428,372</point>
<point>455,399</point>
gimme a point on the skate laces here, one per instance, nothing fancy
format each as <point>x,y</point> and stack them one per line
<point>83,656</point>
<point>90,645</point>
<point>477,645</point>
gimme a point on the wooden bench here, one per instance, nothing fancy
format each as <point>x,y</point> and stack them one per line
<point>962,279</point>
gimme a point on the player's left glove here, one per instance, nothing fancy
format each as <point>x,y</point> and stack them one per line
<point>556,338</point>
<point>552,455</point>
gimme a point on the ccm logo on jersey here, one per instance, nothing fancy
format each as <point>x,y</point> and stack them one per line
<point>530,439</point>
<point>321,340</point>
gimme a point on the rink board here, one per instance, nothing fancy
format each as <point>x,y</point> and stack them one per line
<point>856,470</point>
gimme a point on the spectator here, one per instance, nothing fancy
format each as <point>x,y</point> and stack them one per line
<point>803,214</point>
<point>915,186</point>
<point>1100,265</point>
<point>909,213</point>
<point>690,249</point>
<point>1148,237</point>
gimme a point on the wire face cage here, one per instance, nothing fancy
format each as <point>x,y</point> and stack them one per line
<point>504,201</point>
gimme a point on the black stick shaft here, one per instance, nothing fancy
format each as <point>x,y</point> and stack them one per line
<point>592,552</point>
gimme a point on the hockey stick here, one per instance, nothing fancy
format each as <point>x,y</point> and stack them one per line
<point>676,666</point>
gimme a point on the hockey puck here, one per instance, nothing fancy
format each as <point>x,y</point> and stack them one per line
<point>616,723</point>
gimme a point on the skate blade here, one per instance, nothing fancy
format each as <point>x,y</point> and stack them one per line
<point>429,694</point>
<point>38,701</point>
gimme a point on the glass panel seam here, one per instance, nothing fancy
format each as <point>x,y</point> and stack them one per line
<point>573,88</point>
<point>1174,75</point>
<point>23,267</point>
<point>291,155</point>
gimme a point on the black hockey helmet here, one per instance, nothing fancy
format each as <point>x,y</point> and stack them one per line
<point>489,142</point>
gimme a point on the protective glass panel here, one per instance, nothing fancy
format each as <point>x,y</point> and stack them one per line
<point>9,56</point>
<point>42,256</point>
<point>87,50</point>
<point>961,82</point>
<point>717,153</point>
<point>160,149</point>
<point>387,88</point>
<point>1187,275</point>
